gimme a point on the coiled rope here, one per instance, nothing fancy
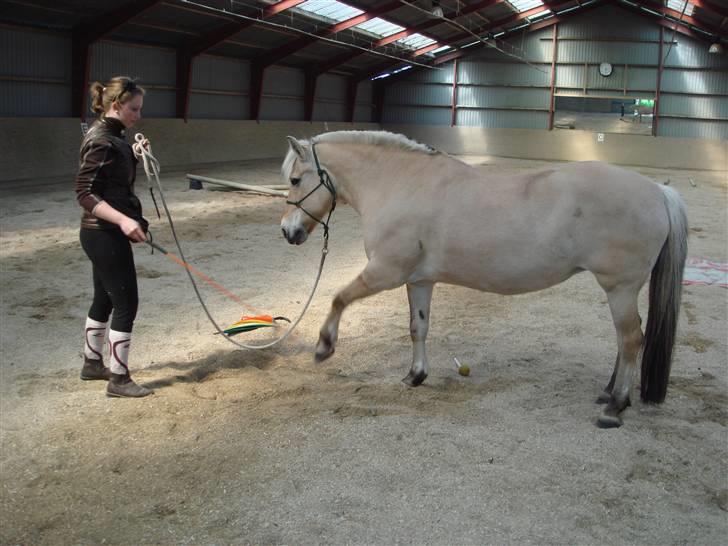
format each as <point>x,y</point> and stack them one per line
<point>143,151</point>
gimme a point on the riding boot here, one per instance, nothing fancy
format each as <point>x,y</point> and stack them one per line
<point>93,362</point>
<point>122,386</point>
<point>94,369</point>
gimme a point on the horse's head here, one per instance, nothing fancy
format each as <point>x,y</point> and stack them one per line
<point>309,197</point>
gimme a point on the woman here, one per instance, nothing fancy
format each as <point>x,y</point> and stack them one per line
<point>112,218</point>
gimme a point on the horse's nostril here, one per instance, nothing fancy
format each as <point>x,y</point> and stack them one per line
<point>285,233</point>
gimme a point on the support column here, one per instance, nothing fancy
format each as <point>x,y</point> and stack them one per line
<point>454,105</point>
<point>660,68</point>
<point>309,94</point>
<point>256,89</point>
<point>352,87</point>
<point>378,96</point>
<point>184,83</point>
<point>555,47</point>
<point>80,67</point>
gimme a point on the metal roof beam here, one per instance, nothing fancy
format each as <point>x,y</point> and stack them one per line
<point>710,6</point>
<point>187,53</point>
<point>482,4</point>
<point>516,17</point>
<point>296,45</point>
<point>531,28</point>
<point>230,29</point>
<point>678,16</point>
<point>92,30</point>
<point>666,23</point>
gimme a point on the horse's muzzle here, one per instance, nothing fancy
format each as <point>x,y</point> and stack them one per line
<point>296,237</point>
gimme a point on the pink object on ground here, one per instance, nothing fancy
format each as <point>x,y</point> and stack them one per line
<point>705,272</point>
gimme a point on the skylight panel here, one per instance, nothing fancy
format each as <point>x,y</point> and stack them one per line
<point>524,5</point>
<point>415,41</point>
<point>678,6</point>
<point>380,27</point>
<point>440,49</point>
<point>331,9</point>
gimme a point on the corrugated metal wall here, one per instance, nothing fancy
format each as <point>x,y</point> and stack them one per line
<point>154,67</point>
<point>219,88</point>
<point>364,107</point>
<point>494,90</point>
<point>35,80</point>
<point>282,94</point>
<point>330,103</point>
<point>700,93</point>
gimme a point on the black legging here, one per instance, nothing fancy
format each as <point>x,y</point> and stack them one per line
<point>114,275</point>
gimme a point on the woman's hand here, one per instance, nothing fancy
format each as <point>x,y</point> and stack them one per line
<point>128,226</point>
<point>132,230</point>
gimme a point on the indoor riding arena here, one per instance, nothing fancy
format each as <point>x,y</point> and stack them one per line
<point>556,169</point>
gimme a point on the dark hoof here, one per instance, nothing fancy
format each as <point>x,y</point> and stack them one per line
<point>610,416</point>
<point>324,350</point>
<point>609,420</point>
<point>604,397</point>
<point>414,380</point>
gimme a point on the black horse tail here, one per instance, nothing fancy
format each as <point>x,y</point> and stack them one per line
<point>664,302</point>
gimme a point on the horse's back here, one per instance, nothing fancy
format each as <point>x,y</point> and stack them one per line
<point>532,230</point>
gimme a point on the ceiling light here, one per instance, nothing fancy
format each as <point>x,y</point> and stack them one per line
<point>715,48</point>
<point>436,9</point>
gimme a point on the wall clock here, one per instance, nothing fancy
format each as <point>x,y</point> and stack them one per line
<point>605,69</point>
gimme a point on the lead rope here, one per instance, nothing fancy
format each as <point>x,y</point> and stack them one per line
<point>151,168</point>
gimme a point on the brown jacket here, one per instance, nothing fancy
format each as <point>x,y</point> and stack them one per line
<point>106,172</point>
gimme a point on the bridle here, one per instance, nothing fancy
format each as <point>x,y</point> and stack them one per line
<point>325,181</point>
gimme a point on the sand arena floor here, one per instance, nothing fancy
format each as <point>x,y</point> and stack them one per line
<point>269,448</point>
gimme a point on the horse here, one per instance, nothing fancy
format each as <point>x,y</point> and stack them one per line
<point>428,217</point>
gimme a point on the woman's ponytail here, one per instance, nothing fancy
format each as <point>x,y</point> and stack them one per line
<point>97,97</point>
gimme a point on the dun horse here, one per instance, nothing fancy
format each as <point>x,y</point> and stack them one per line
<point>428,218</point>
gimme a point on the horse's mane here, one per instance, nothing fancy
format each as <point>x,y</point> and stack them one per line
<point>376,138</point>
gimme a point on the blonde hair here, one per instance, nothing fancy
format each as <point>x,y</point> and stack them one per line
<point>119,89</point>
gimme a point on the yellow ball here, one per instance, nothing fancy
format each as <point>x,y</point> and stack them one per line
<point>464,370</point>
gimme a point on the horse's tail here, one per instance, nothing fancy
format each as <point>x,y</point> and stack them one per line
<point>664,305</point>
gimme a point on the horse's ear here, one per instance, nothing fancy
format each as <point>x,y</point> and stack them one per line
<point>297,147</point>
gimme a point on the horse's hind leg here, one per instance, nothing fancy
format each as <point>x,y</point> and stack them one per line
<point>606,394</point>
<point>420,296</point>
<point>623,304</point>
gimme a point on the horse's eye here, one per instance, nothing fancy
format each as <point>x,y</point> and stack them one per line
<point>295,181</point>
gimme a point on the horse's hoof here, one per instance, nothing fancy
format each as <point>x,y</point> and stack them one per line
<point>323,354</point>
<point>609,420</point>
<point>324,349</point>
<point>604,397</point>
<point>414,379</point>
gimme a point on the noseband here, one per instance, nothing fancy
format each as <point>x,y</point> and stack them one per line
<point>325,181</point>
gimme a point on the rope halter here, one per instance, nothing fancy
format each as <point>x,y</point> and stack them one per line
<point>325,181</point>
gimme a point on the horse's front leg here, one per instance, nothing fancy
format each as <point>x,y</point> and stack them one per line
<point>372,280</point>
<point>420,296</point>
